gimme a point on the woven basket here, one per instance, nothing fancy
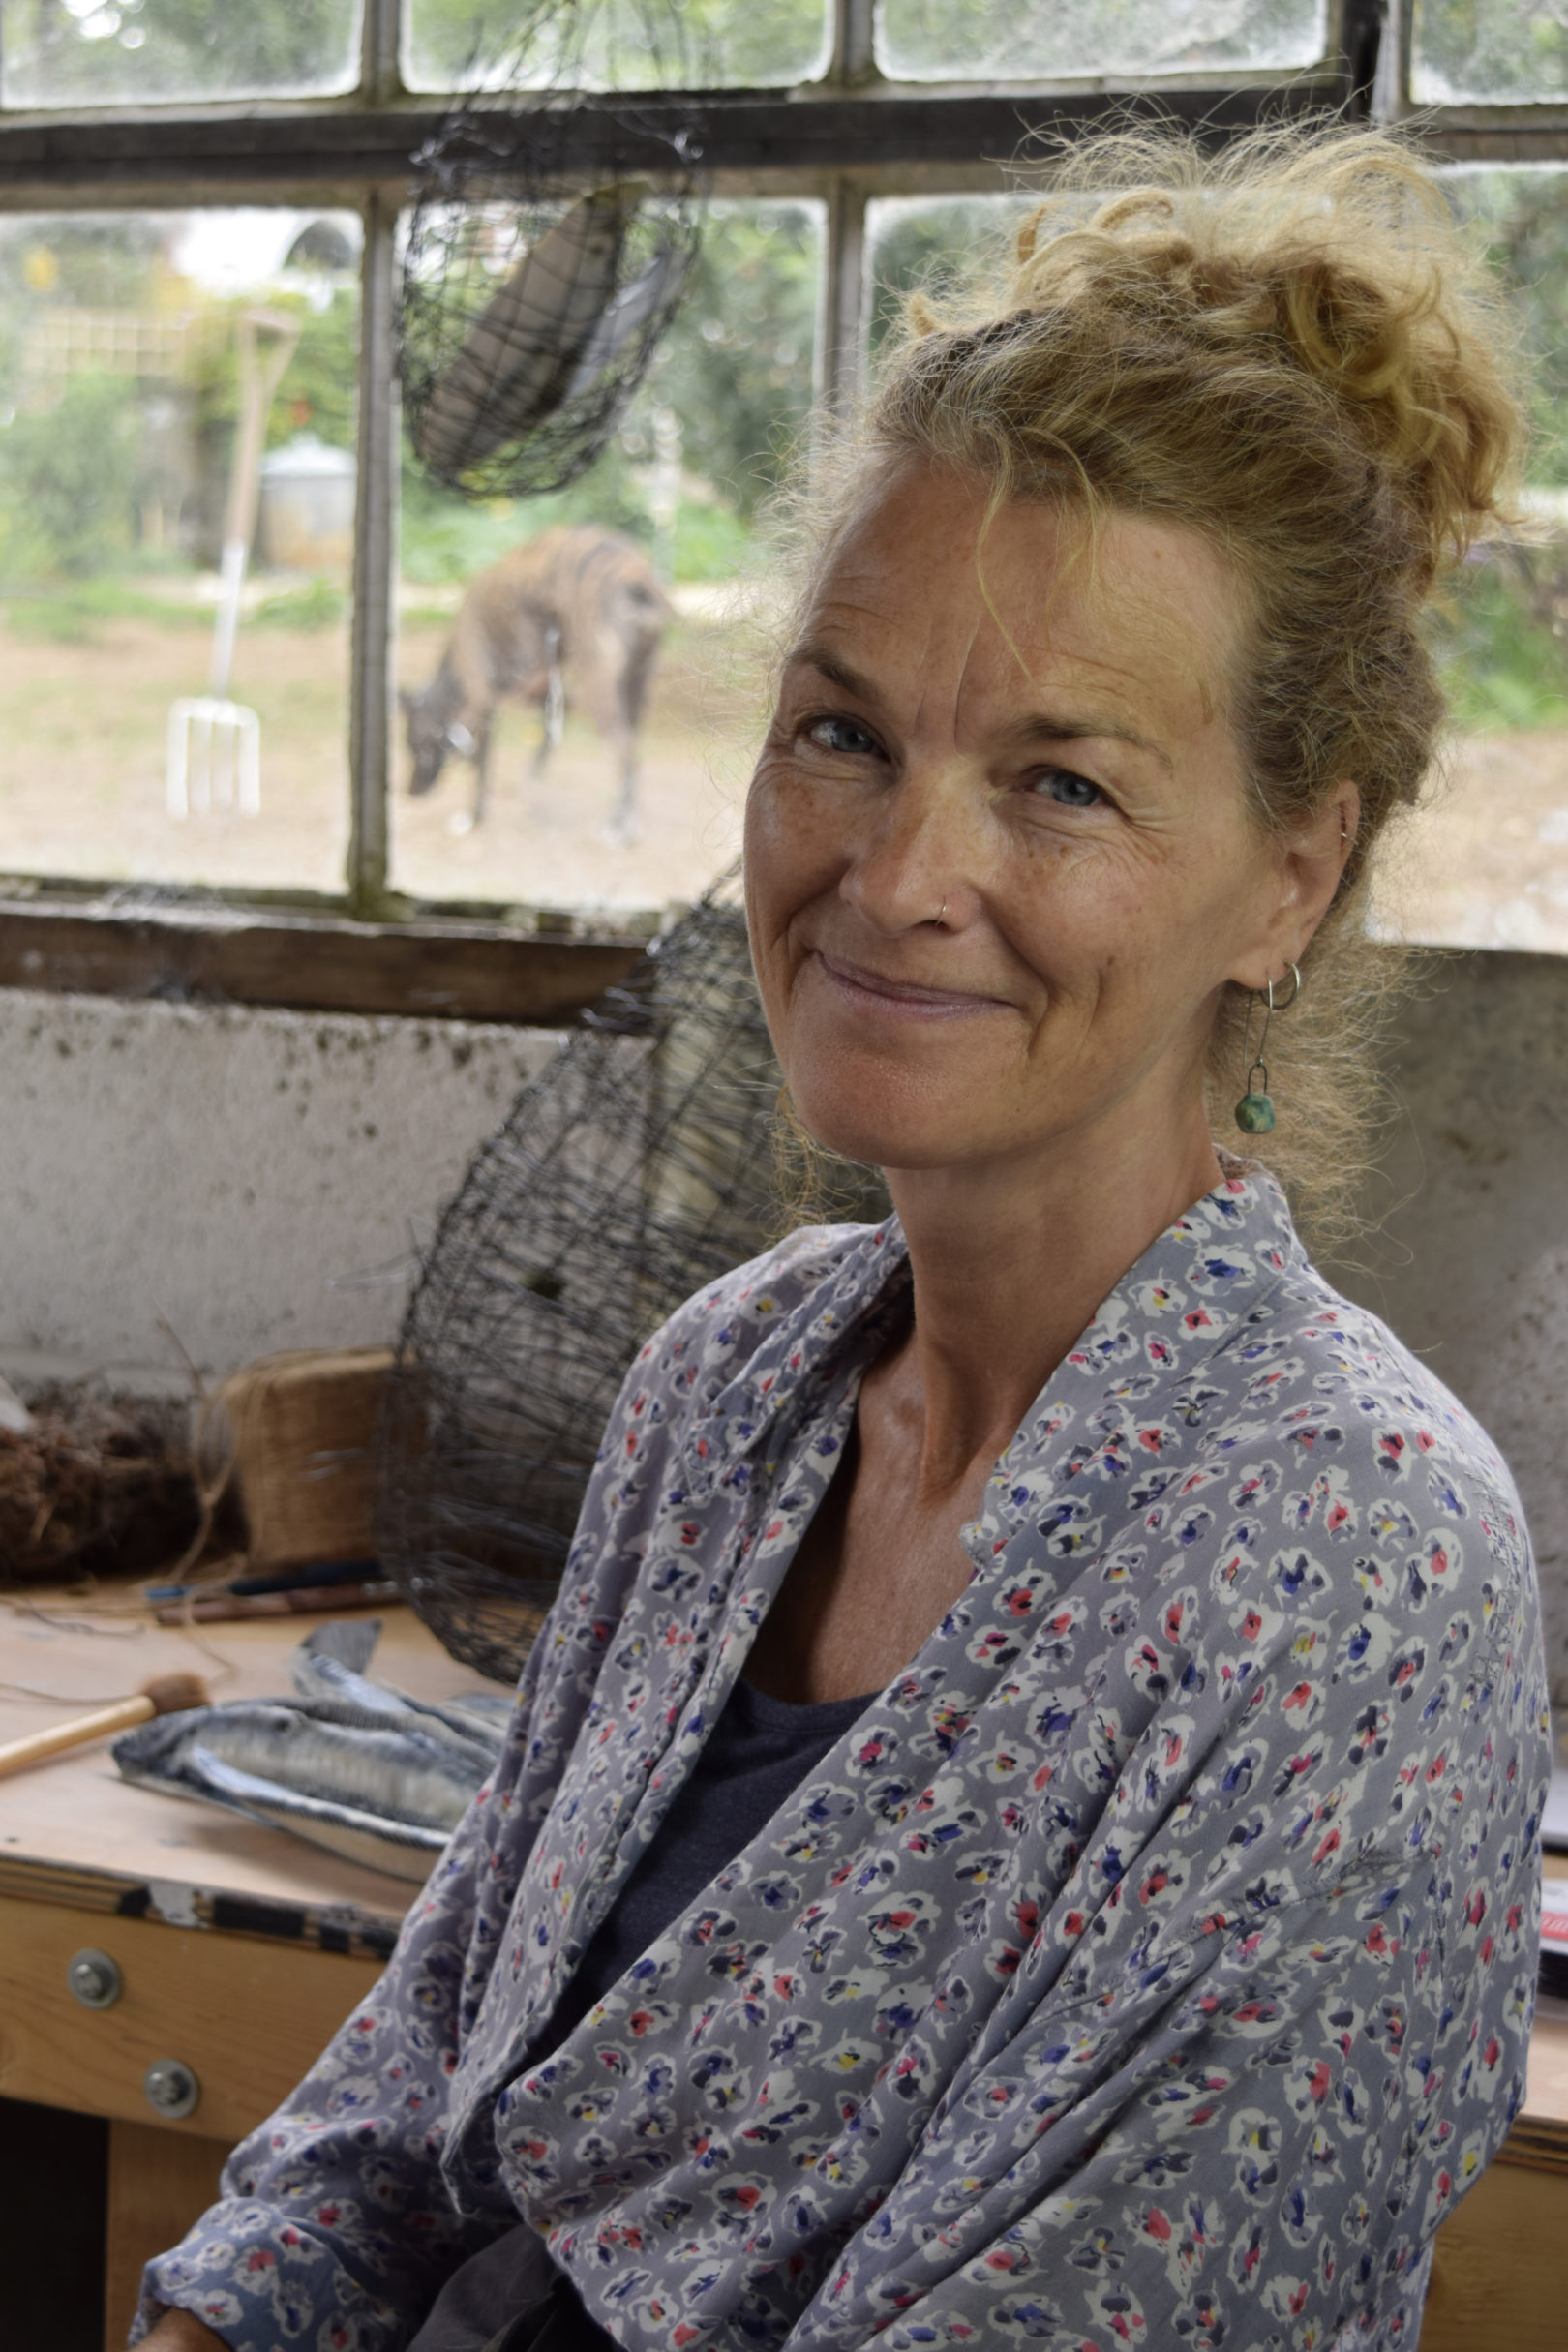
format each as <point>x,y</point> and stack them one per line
<point>302,1429</point>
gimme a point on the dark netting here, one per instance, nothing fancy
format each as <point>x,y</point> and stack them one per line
<point>637,1168</point>
<point>538,276</point>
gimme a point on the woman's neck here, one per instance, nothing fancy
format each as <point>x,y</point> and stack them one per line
<point>1010,1264</point>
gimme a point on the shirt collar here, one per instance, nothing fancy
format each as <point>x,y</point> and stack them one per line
<point>1170,1313</point>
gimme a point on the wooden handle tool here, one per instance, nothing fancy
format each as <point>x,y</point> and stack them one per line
<point>164,1695</point>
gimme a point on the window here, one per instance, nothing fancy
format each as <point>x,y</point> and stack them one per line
<point>850,147</point>
<point>701,443</point>
<point>1486,861</point>
<point>129,342</point>
<point>152,52</point>
<point>952,40</point>
<point>745,43</point>
<point>1487,50</point>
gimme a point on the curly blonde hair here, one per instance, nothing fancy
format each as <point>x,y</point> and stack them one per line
<point>1291,348</point>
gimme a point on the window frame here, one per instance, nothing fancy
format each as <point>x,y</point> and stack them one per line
<point>845,138</point>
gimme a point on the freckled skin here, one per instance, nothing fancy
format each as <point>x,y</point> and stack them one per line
<point>1000,870</point>
<point>1097,938</point>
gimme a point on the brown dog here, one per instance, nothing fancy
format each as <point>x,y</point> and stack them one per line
<point>582,605</point>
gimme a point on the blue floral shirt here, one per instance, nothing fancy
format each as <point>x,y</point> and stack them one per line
<point>1152,1962</point>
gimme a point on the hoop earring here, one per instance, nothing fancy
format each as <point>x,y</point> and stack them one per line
<point>1254,1112</point>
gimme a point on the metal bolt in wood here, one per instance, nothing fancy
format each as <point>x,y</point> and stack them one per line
<point>94,1978</point>
<point>171,2088</point>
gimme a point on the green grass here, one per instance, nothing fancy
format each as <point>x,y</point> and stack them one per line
<point>1501,664</point>
<point>77,615</point>
<point>318,605</point>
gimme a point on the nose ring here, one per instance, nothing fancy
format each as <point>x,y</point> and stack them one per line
<point>941,913</point>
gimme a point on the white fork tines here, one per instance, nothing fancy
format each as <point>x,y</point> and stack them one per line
<point>214,756</point>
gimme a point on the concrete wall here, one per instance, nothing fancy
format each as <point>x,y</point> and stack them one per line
<point>1470,1263</point>
<point>264,1180</point>
<point>230,1180</point>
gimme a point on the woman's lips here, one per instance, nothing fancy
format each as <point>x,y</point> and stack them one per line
<point>906,1000</point>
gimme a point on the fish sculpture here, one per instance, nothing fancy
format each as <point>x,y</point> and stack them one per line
<point>521,358</point>
<point>354,1766</point>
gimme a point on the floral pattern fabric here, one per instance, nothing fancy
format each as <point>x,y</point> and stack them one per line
<point>1149,1965</point>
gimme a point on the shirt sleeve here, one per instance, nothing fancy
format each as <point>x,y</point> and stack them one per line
<point>334,2220</point>
<point>334,2214</point>
<point>1243,2123</point>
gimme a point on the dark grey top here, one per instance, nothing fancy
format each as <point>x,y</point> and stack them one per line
<point>759,1752</point>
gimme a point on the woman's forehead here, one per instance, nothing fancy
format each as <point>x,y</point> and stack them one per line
<point>930,572</point>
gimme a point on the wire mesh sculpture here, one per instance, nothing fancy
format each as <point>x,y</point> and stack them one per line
<point>639,1166</point>
<point>531,306</point>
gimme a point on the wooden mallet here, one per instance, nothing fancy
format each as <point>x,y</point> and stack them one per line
<point>163,1695</point>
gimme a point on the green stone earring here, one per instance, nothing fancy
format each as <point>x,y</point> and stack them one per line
<point>1254,1112</point>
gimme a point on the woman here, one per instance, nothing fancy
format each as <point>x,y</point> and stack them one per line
<point>1021,1828</point>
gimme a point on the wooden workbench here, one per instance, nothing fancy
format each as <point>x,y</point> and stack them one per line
<point>242,1949</point>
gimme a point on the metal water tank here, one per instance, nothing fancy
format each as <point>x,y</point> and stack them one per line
<point>307,520</point>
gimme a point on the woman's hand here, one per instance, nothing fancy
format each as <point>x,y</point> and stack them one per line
<point>181,2332</point>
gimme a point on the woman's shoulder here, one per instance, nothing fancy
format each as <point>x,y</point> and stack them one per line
<point>1349,1403</point>
<point>815,1272</point>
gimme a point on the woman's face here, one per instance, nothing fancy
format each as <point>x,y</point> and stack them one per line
<point>999,862</point>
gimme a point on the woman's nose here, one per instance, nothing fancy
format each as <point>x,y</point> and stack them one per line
<point>918,859</point>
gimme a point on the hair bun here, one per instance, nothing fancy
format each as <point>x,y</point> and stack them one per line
<point>1339,248</point>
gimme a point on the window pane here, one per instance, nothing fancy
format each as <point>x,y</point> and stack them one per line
<point>1492,50</point>
<point>950,40</point>
<point>673,498</point>
<point>150,52</point>
<point>739,44</point>
<point>1486,864</point>
<point>123,357</point>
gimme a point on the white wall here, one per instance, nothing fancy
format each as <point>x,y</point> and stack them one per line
<point>255,1180</point>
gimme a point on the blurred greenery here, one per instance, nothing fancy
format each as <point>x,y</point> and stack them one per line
<point>1488,50</point>
<point>1497,634</point>
<point>736,366</point>
<point>160,49</point>
<point>155,50</point>
<point>78,612</point>
<point>320,604</point>
<point>693,43</point>
<point>317,393</point>
<point>1522,217</point>
<point>67,483</point>
<point>952,39</point>
<point>735,369</point>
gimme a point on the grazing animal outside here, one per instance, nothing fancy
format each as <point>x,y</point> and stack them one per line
<point>579,604</point>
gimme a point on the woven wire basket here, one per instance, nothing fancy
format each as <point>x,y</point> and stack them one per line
<point>538,275</point>
<point>636,1169</point>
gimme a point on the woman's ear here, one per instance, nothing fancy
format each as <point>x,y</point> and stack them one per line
<point>1319,854</point>
<point>1313,853</point>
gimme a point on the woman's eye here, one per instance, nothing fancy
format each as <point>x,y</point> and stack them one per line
<point>844,736</point>
<point>1066,789</point>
